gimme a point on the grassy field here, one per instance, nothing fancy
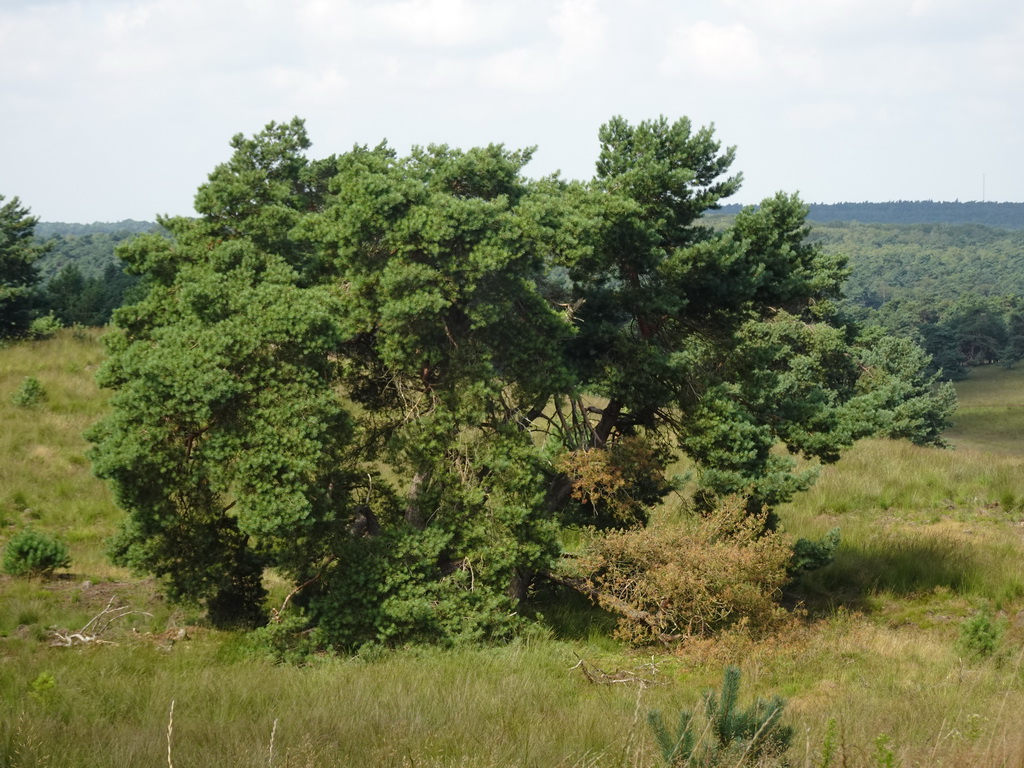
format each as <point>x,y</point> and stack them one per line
<point>991,411</point>
<point>874,663</point>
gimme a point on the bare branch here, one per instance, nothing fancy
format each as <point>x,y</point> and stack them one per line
<point>98,624</point>
<point>622,676</point>
<point>280,611</point>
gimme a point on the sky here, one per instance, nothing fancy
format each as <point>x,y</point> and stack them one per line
<point>119,109</point>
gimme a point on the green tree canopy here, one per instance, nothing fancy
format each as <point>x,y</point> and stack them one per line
<point>18,276</point>
<point>395,379</point>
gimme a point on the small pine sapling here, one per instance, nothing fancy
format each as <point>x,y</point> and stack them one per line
<point>676,748</point>
<point>809,555</point>
<point>734,736</point>
<point>828,746</point>
<point>44,327</point>
<point>979,636</point>
<point>756,731</point>
<point>29,393</point>
<point>35,553</point>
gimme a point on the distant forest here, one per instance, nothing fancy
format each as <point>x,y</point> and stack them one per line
<point>1002,215</point>
<point>956,289</point>
<point>949,275</point>
<point>82,280</point>
<point>48,229</point>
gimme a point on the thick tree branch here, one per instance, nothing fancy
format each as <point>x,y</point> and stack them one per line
<point>616,604</point>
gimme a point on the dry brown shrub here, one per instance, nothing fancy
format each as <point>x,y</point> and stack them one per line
<point>669,582</point>
<point>620,482</point>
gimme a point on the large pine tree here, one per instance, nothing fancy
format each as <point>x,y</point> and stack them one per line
<point>396,378</point>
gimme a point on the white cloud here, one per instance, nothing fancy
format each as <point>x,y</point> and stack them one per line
<point>575,43</point>
<point>822,18</point>
<point>824,115</point>
<point>303,88</point>
<point>728,52</point>
<point>144,94</point>
<point>443,23</point>
<point>325,16</point>
<point>515,69</point>
<point>581,32</point>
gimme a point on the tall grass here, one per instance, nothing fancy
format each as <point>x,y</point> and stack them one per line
<point>492,707</point>
<point>890,476</point>
<point>991,414</point>
<point>517,705</point>
<point>45,477</point>
<point>930,537</point>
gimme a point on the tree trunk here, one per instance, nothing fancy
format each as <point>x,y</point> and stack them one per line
<point>413,512</point>
<point>519,589</point>
<point>609,420</point>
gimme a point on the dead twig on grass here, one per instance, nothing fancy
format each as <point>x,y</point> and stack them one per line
<point>273,733</point>
<point>644,677</point>
<point>90,633</point>
<point>170,733</point>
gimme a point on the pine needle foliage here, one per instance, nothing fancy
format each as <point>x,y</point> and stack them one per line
<point>980,636</point>
<point>30,392</point>
<point>32,552</point>
<point>676,747</point>
<point>729,735</point>
<point>395,380</point>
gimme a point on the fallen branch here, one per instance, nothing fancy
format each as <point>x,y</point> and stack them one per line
<point>67,640</point>
<point>613,603</point>
<point>90,633</point>
<point>598,676</point>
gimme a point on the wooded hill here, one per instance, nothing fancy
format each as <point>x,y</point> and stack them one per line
<point>90,247</point>
<point>949,274</point>
<point>936,272</point>
<point>990,214</point>
<point>82,279</point>
<point>956,289</point>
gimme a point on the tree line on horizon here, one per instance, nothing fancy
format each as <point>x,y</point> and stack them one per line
<point>955,288</point>
<point>66,274</point>
<point>1002,215</point>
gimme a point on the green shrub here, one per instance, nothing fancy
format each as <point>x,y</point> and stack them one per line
<point>29,393</point>
<point>43,687</point>
<point>45,327</point>
<point>828,746</point>
<point>291,640</point>
<point>884,756</point>
<point>393,590</point>
<point>979,636</point>
<point>810,555</point>
<point>731,736</point>
<point>35,553</point>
